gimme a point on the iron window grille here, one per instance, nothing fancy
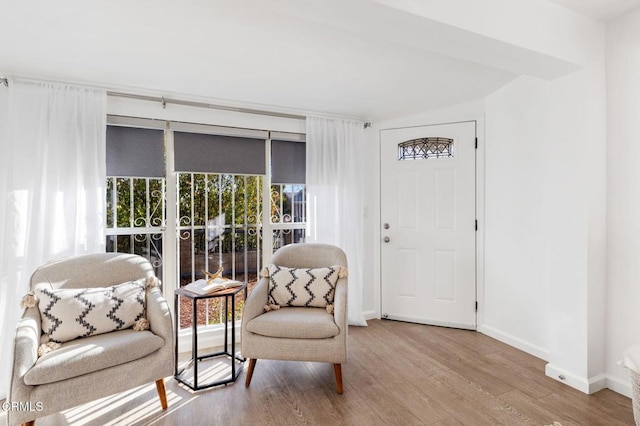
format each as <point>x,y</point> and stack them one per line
<point>423,148</point>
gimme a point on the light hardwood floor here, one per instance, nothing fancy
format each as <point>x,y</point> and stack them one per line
<point>397,374</point>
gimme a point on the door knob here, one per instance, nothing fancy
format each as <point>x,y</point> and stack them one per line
<point>386,239</point>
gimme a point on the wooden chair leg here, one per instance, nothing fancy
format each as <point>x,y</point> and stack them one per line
<point>252,365</point>
<point>337,369</point>
<point>162,393</point>
<point>31,423</point>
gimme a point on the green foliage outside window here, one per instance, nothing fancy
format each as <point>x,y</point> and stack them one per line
<point>225,206</point>
<point>228,207</point>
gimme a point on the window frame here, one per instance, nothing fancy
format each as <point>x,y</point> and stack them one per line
<point>170,239</point>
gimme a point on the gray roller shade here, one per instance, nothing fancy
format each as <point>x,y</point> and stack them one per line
<point>288,162</point>
<point>202,153</point>
<point>135,152</point>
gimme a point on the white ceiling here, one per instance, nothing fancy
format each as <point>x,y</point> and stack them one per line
<point>602,10</point>
<point>254,52</point>
<point>354,58</point>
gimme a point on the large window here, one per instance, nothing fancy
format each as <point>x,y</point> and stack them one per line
<point>219,177</point>
<point>219,193</point>
<point>288,194</point>
<point>136,186</point>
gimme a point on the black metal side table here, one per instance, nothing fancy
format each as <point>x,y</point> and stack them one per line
<point>181,372</point>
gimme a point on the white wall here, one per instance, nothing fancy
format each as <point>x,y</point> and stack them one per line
<point>518,213</point>
<point>578,196</point>
<point>545,284</point>
<point>623,101</point>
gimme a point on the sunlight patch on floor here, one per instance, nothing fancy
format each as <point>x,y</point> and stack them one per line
<point>211,370</point>
<point>147,407</point>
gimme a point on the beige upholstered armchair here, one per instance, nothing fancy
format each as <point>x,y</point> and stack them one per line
<point>298,333</point>
<point>88,368</point>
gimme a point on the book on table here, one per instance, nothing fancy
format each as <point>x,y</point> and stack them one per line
<point>203,286</point>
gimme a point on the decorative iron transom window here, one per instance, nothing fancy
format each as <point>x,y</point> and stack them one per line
<point>420,148</point>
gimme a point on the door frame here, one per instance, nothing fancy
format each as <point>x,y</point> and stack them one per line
<point>478,118</point>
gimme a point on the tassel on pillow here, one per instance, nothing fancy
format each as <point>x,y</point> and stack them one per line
<point>343,273</point>
<point>152,282</point>
<point>330,309</point>
<point>29,301</point>
<point>141,325</point>
<point>265,272</point>
<point>45,348</point>
<point>271,307</point>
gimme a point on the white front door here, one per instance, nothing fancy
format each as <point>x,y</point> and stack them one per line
<point>428,219</point>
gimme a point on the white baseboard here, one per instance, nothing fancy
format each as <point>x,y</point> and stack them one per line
<point>370,315</point>
<point>598,383</point>
<point>567,378</point>
<point>516,342</point>
<point>588,386</point>
<point>620,386</point>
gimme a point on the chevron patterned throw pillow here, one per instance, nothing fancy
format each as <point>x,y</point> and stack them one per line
<point>71,313</point>
<point>310,287</point>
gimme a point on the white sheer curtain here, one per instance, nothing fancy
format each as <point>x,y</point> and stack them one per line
<point>52,189</point>
<point>334,193</point>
